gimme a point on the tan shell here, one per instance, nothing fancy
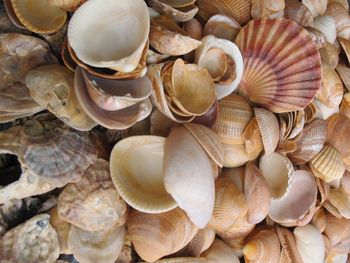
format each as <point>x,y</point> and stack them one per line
<point>316,7</point>
<point>289,252</point>
<point>319,219</point>
<point>330,55</point>
<point>31,242</point>
<point>323,189</point>
<point>262,246</point>
<point>298,12</point>
<point>326,25</point>
<point>338,232</point>
<point>266,8</point>
<point>157,235</point>
<point>259,81</point>
<point>234,115</point>
<point>345,105</point>
<point>222,26</point>
<point>220,252</point>
<point>236,175</point>
<point>179,14</point>
<point>99,246</point>
<point>345,44</point>
<point>154,57</point>
<point>188,176</point>
<point>68,5</point>
<point>194,28</point>
<point>340,201</point>
<point>317,36</point>
<point>235,155</point>
<point>341,17</point>
<point>62,228</point>
<point>252,139</point>
<point>328,164</point>
<point>160,124</point>
<point>345,183</point>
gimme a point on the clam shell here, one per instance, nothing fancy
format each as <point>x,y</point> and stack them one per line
<point>194,28</point>
<point>252,139</point>
<point>157,235</point>
<point>39,17</point>
<point>326,25</point>
<point>108,48</point>
<point>220,252</point>
<point>327,164</point>
<point>330,55</point>
<point>266,8</point>
<point>310,143</point>
<point>66,57</point>
<point>289,252</point>
<point>179,14</point>
<point>282,82</point>
<point>345,105</point>
<point>222,26</point>
<point>209,118</point>
<point>145,195</point>
<point>341,17</point>
<point>160,124</point>
<point>296,11</point>
<point>188,176</point>
<point>269,129</point>
<point>234,115</point>
<point>68,5</point>
<point>316,7</point>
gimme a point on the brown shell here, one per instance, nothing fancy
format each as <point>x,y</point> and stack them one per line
<point>330,54</point>
<point>93,203</point>
<point>267,8</point>
<point>341,17</point>
<point>68,5</point>
<point>282,82</point>
<point>289,248</point>
<point>338,232</point>
<point>62,228</point>
<point>319,219</point>
<point>344,73</point>
<point>252,139</point>
<point>298,12</point>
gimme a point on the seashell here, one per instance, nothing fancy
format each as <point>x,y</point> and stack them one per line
<point>112,95</point>
<point>234,115</point>
<point>236,175</point>
<point>121,55</point>
<point>344,3</point>
<point>238,10</point>
<point>262,88</point>
<point>68,5</point>
<point>222,26</point>
<point>38,17</point>
<point>322,111</point>
<point>179,14</point>
<point>194,29</point>
<point>66,57</point>
<point>12,16</point>
<point>205,58</point>
<point>345,183</point>
<point>261,9</point>
<point>340,201</point>
<point>62,228</point>
<point>99,246</point>
<point>262,246</point>
<point>317,8</point>
<point>289,252</point>
<point>326,25</point>
<point>338,232</point>
<point>331,92</point>
<point>178,3</point>
<point>269,129</point>
<point>145,195</point>
<point>345,105</point>
<point>168,38</point>
<point>215,62</point>
<point>121,119</point>
<point>341,17</point>
<point>93,203</point>
<point>160,124</point>
<point>345,44</point>
<point>157,235</point>
<point>327,164</point>
<point>209,141</point>
<point>323,189</point>
<point>190,184</point>
<point>252,139</point>
<point>52,87</point>
<point>182,260</point>
<point>330,55</point>
<point>317,36</point>
<point>209,118</point>
<point>230,205</point>
<point>319,219</point>
<point>297,12</point>
<point>235,155</point>
<point>154,57</point>
<point>257,194</point>
<point>279,178</point>
<point>310,143</point>
<point>220,252</point>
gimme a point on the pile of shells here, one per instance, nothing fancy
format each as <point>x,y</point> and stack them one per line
<point>193,131</point>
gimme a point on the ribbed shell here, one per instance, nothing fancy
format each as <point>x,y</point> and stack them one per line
<point>252,139</point>
<point>282,67</point>
<point>234,115</point>
<point>341,17</point>
<point>328,164</point>
<point>298,12</point>
<point>319,219</point>
<point>289,248</point>
<point>337,230</point>
<point>340,201</point>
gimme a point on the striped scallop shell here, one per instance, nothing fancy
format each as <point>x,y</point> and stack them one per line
<point>282,67</point>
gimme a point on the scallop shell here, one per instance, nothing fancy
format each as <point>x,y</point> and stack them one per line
<point>145,195</point>
<point>68,5</point>
<point>309,243</point>
<point>345,105</point>
<point>297,12</point>
<point>98,246</point>
<point>341,17</point>
<point>179,14</point>
<point>188,176</point>
<point>122,56</point>
<point>157,235</point>
<point>327,164</point>
<point>62,228</point>
<point>220,252</point>
<point>234,115</point>
<point>266,8</point>
<point>222,26</point>
<point>33,241</point>
<point>252,139</point>
<point>289,252</point>
<point>316,7</point>
<point>284,82</point>
<point>326,25</point>
<point>310,143</point>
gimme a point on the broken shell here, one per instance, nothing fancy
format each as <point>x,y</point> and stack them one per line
<point>341,17</point>
<point>259,81</point>
<point>222,26</point>
<point>52,86</point>
<point>115,52</point>
<point>230,49</point>
<point>31,242</point>
<point>62,228</point>
<point>99,246</point>
<point>309,243</point>
<point>68,5</point>
<point>179,14</point>
<point>157,235</point>
<point>188,176</point>
<point>252,139</point>
<point>144,189</point>
<point>215,62</point>
<point>154,57</point>
<point>266,8</point>
<point>220,252</point>
<point>296,11</point>
<point>327,164</point>
<point>168,38</point>
<point>345,105</point>
<point>92,203</point>
<point>269,129</point>
<point>316,7</point>
<point>39,17</point>
<point>289,252</point>
<point>262,246</point>
<point>279,178</point>
<point>326,25</point>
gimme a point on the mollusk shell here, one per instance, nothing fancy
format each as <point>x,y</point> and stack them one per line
<point>298,12</point>
<point>222,26</point>
<point>68,5</point>
<point>316,7</point>
<point>181,14</point>
<point>341,17</point>
<point>282,68</point>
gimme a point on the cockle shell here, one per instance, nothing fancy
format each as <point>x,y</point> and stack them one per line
<point>98,246</point>
<point>316,7</point>
<point>144,190</point>
<point>52,86</point>
<point>323,189</point>
<point>188,176</point>
<point>340,201</point>
<point>345,105</point>
<point>280,83</point>
<point>157,235</point>
<point>39,16</point>
<point>231,50</point>
<point>62,228</point>
<point>108,48</point>
<point>267,8</point>
<point>179,14</point>
<point>289,252</point>
<point>338,232</point>
<point>326,25</point>
<point>252,139</point>
<point>31,242</point>
<point>222,26</point>
<point>14,21</point>
<point>296,11</point>
<point>220,252</point>
<point>309,243</point>
<point>341,17</point>
<point>68,5</point>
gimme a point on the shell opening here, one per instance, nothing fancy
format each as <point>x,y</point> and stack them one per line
<point>10,169</point>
